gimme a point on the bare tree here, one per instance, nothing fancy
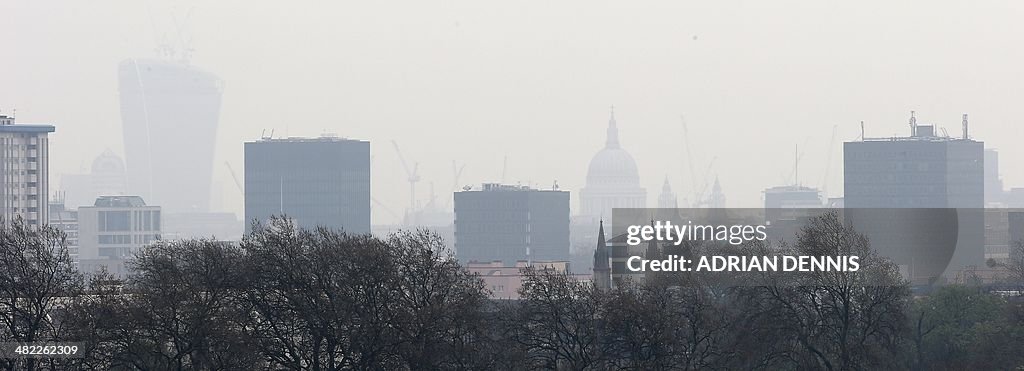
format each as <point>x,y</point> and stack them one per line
<point>183,307</point>
<point>36,276</point>
<point>841,320</point>
<point>560,321</point>
<point>329,300</point>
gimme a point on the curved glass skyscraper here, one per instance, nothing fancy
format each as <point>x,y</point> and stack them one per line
<point>169,113</point>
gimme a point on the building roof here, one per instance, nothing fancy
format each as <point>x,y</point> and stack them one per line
<point>119,201</point>
<point>322,138</point>
<point>7,125</point>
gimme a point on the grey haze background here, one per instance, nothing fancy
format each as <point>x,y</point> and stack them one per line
<point>475,81</point>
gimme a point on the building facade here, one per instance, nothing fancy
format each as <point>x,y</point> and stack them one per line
<point>113,229</point>
<point>924,171</point>
<point>25,165</point>
<point>504,281</point>
<point>65,220</point>
<point>511,223</point>
<point>314,181</point>
<point>169,115</point>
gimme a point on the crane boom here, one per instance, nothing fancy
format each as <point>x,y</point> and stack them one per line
<point>413,176</point>
<point>235,178</point>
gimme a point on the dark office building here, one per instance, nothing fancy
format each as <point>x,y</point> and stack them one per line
<point>925,171</point>
<point>1015,230</point>
<point>314,181</point>
<point>511,223</point>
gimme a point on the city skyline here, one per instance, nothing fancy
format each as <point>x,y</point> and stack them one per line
<point>751,77</point>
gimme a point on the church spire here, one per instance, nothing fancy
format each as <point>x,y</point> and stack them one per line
<point>601,253</point>
<point>602,277</point>
<point>613,132</point>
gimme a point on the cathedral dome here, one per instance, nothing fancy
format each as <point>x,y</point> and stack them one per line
<point>108,163</point>
<point>612,165</point>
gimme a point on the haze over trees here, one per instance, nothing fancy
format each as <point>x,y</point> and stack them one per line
<point>292,299</point>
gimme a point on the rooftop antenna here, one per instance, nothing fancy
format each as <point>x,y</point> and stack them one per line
<point>965,127</point>
<point>913,124</point>
<point>504,169</point>
<point>796,165</point>
<point>862,130</point>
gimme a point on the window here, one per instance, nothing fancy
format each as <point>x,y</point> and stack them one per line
<point>114,221</point>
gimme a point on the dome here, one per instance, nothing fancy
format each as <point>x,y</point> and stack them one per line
<point>612,165</point>
<point>108,163</point>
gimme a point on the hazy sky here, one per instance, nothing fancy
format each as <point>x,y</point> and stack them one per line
<point>474,81</point>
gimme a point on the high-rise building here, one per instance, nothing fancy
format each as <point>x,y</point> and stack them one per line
<point>112,230</point>
<point>511,223</point>
<point>321,181</point>
<point>925,170</point>
<point>25,165</point>
<point>994,193</point>
<point>169,114</point>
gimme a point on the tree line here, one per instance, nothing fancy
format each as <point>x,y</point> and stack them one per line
<point>292,299</point>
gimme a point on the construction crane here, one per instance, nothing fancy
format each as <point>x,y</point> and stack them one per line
<point>387,209</point>
<point>698,198</point>
<point>828,159</point>
<point>689,154</point>
<point>235,178</point>
<point>412,175</point>
<point>456,174</point>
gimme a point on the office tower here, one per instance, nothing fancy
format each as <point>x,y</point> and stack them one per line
<point>925,170</point>
<point>65,220</point>
<point>792,196</point>
<point>787,209</point>
<point>169,113</point>
<point>993,182</point>
<point>511,223</point>
<point>612,180</point>
<point>321,181</point>
<point>112,230</point>
<point>25,165</point>
<point>1015,232</point>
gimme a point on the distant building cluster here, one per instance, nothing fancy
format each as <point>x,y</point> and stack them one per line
<point>162,189</point>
